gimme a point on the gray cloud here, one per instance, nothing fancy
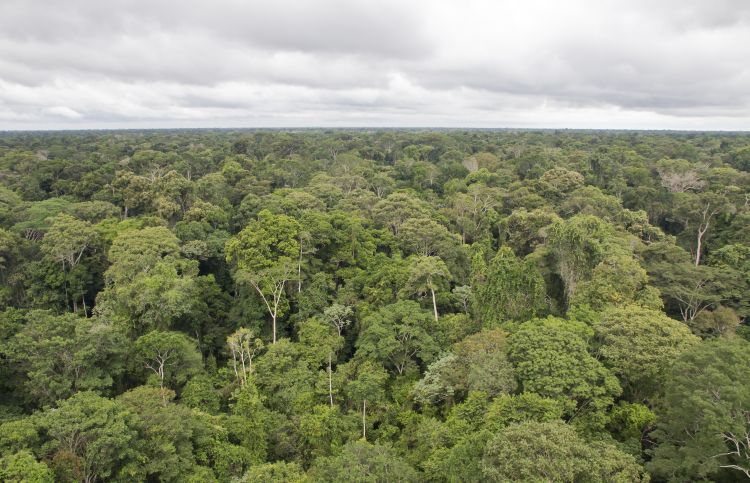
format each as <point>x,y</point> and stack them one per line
<point>613,63</point>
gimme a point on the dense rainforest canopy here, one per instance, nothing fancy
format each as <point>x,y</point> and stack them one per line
<point>374,305</point>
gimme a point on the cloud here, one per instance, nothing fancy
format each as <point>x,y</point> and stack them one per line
<point>63,111</point>
<point>613,63</point>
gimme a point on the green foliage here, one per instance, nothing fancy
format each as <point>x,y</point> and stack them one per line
<point>264,242</point>
<point>61,355</point>
<point>398,334</point>
<point>527,406</point>
<point>640,345</point>
<point>534,451</point>
<point>616,281</point>
<point>507,290</point>
<point>138,251</point>
<point>483,365</point>
<point>169,357</point>
<point>703,417</point>
<point>19,434</point>
<point>90,437</point>
<point>247,422</point>
<point>577,246</point>
<point>427,275</point>
<point>200,393</point>
<point>165,433</point>
<point>273,473</point>
<point>22,467</point>
<point>439,383</point>
<point>362,461</point>
<point>630,421</point>
<point>245,305</point>
<point>551,359</point>
<point>264,253</point>
<point>524,230</point>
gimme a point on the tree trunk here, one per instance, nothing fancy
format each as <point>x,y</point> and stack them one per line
<point>434,303</point>
<point>364,420</point>
<point>299,268</point>
<point>273,326</point>
<point>234,366</point>
<point>65,285</point>
<point>161,382</point>
<point>330,380</point>
<point>244,369</point>
<point>701,231</point>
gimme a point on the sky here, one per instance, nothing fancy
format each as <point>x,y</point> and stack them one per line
<point>621,64</point>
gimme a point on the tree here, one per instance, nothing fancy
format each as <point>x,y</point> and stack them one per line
<point>65,242</point>
<point>733,262</point>
<point>60,355</point>
<point>551,359</point>
<point>704,423</point>
<point>696,213</point>
<point>170,356</point>
<point>440,381</point>
<point>10,256</point>
<point>474,211</point>
<point>688,289</point>
<point>425,275</point>
<point>149,285</point>
<point>165,433</point>
<point>362,461</point>
<point>320,343</point>
<point>425,237</point>
<point>396,208</point>
<point>509,409</point>
<point>396,334</point>
<point>248,421</point>
<point>640,345</point>
<point>243,345</point>
<point>591,201</point>
<point>264,254</point>
<point>273,473</point>
<point>552,451</point>
<point>20,434</point>
<point>339,316</point>
<point>138,251</point>
<point>524,230</point>
<point>92,436</point>
<point>368,384</point>
<point>323,432</point>
<point>23,467</point>
<point>286,379</point>
<point>483,363</point>
<point>314,230</point>
<point>617,280</point>
<point>577,245</point>
<point>463,295</point>
<point>156,299</point>
<point>679,176</point>
<point>507,290</point>
<point>722,321</point>
<point>200,393</point>
<point>557,182</point>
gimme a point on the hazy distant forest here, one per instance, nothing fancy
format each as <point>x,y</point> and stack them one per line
<point>374,306</point>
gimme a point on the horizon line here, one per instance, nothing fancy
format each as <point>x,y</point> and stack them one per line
<point>372,128</point>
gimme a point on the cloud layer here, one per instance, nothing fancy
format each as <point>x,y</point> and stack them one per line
<point>471,63</point>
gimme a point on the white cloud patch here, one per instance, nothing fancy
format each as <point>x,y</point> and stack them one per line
<point>474,63</point>
<point>63,111</point>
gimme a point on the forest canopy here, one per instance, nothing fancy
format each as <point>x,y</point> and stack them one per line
<point>374,305</point>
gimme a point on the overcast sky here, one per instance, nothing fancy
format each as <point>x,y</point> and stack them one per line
<point>667,64</point>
